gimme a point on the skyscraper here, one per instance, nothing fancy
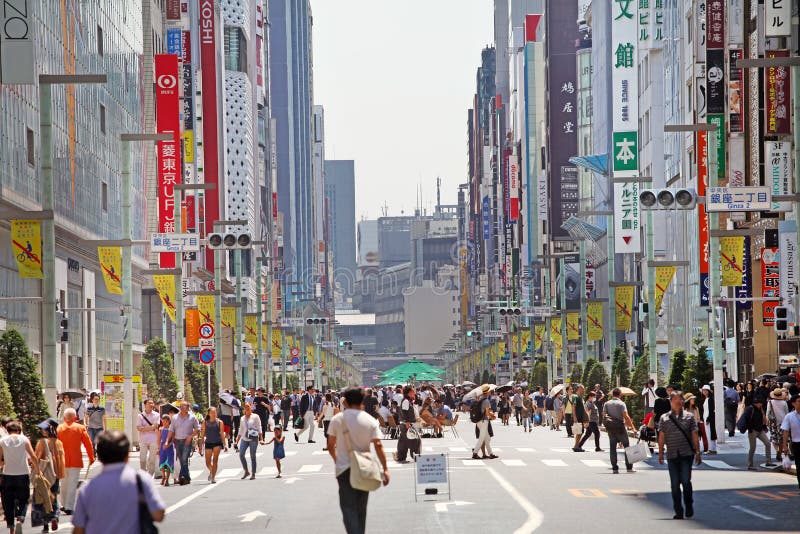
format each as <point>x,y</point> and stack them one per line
<point>340,190</point>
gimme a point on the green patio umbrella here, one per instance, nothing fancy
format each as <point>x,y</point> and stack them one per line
<point>412,366</point>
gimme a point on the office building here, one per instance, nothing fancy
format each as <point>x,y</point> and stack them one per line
<point>340,190</point>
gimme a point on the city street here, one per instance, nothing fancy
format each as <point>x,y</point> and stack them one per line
<point>537,484</point>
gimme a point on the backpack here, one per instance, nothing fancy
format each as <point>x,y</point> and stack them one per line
<point>744,419</point>
<point>475,412</point>
<point>548,403</point>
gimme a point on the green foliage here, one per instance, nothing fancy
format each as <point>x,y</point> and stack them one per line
<point>522,376</point>
<point>161,362</point>
<point>492,379</point>
<point>577,374</point>
<point>677,368</point>
<point>477,378</point>
<point>188,396</point>
<point>587,368</point>
<point>24,383</point>
<point>641,374</point>
<point>598,375</point>
<point>699,369</point>
<point>539,376</point>
<point>148,378</point>
<point>292,382</point>
<point>620,368</point>
<point>196,376</point>
<point>484,377</point>
<point>6,402</point>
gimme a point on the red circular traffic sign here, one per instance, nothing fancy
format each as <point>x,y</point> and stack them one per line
<point>206,330</point>
<point>207,356</point>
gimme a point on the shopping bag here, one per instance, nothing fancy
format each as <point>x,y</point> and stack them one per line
<point>637,453</point>
<point>787,463</point>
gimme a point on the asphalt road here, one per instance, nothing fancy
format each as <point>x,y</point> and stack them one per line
<point>537,484</point>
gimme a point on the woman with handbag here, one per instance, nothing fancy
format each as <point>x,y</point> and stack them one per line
<point>15,491</point>
<point>50,453</point>
<point>777,408</point>
<point>249,437</point>
<point>325,415</point>
<point>568,409</point>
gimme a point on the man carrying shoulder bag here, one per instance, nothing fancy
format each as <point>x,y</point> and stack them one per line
<point>350,434</point>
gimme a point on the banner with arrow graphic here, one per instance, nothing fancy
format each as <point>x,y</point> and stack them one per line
<point>251,330</point>
<point>165,287</point>
<point>205,305</point>
<point>111,264</point>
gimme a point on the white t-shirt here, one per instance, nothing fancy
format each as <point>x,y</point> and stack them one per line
<point>385,413</point>
<point>398,398</point>
<point>791,422</point>
<point>15,454</point>
<point>247,423</point>
<point>362,427</point>
<point>650,395</point>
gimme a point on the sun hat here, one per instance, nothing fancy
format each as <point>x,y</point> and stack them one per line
<point>778,394</point>
<point>688,396</point>
<point>706,387</point>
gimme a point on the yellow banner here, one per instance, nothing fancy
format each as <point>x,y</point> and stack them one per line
<point>228,317</point>
<point>538,335</point>
<point>111,265</point>
<point>594,320</point>
<point>573,326</point>
<point>555,332</point>
<point>526,337</point>
<point>310,354</point>
<point>251,330</point>
<point>276,344</point>
<point>624,307</point>
<point>664,276</point>
<point>731,251</point>
<point>188,145</point>
<point>165,286</point>
<point>205,305</point>
<point>26,245</point>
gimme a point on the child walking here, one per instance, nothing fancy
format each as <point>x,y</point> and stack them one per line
<point>166,456</point>
<point>278,452</point>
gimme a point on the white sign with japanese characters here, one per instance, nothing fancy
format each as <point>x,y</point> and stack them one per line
<point>778,171</point>
<point>627,234</point>
<point>777,21</point>
<point>738,199</point>
<point>624,73</point>
<point>174,242</point>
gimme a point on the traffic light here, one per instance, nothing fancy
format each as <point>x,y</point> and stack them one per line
<point>346,345</point>
<point>124,321</point>
<point>64,329</point>
<point>668,199</point>
<point>315,321</point>
<point>781,319</point>
<point>510,311</point>
<point>228,241</point>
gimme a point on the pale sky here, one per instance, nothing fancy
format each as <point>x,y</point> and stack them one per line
<point>396,79</point>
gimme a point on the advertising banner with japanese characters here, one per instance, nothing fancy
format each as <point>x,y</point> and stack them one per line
<point>778,20</point>
<point>745,290</point>
<point>664,276</point>
<point>627,234</point>
<point>735,92</point>
<point>205,305</point>
<point>228,317</point>
<point>770,283</point>
<point>731,252</point>
<point>573,326</point>
<point>165,287</point>
<point>513,188</point>
<point>594,319</point>
<point>776,96</point>
<point>624,307</point>
<point>778,171</point>
<point>169,154</point>
<point>562,114</point>
<point>715,24</point>
<point>787,244</point>
<point>26,245</point>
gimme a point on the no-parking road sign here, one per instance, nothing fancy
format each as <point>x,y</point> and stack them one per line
<point>207,356</point>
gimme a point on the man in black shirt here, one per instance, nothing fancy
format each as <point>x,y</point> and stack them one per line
<point>261,407</point>
<point>371,404</point>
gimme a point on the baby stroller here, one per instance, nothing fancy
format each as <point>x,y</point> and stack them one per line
<point>647,434</point>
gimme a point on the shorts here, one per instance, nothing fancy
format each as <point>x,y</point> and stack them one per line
<point>213,445</point>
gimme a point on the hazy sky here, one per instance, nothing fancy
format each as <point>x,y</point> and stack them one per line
<point>396,79</point>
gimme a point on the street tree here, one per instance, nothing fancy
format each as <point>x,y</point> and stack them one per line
<point>148,377</point>
<point>587,369</point>
<point>6,402</point>
<point>677,368</point>
<point>539,376</point>
<point>24,382</point>
<point>620,368</point>
<point>641,374</point>
<point>166,381</point>
<point>577,374</point>
<point>598,375</point>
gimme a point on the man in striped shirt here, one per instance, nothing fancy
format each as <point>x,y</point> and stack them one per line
<point>677,430</point>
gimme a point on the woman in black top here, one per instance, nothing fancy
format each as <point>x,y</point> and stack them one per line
<point>661,404</point>
<point>749,394</point>
<point>212,434</point>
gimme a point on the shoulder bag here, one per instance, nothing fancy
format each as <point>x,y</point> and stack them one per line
<point>146,525</point>
<point>46,466</point>
<point>365,475</point>
<point>685,435</point>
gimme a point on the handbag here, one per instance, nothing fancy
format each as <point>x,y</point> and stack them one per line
<point>637,453</point>
<point>146,525</point>
<point>365,475</point>
<point>46,465</point>
<point>251,433</point>
<point>787,463</point>
<point>577,428</point>
<point>299,422</point>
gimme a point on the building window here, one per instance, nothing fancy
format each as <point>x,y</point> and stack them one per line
<point>235,49</point>
<point>99,40</point>
<point>104,196</point>
<point>30,146</point>
<point>102,118</point>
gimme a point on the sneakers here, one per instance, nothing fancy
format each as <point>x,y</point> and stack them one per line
<point>54,524</point>
<point>578,449</point>
<point>770,464</point>
<point>474,457</point>
<point>598,449</point>
<point>311,441</point>
<point>689,511</point>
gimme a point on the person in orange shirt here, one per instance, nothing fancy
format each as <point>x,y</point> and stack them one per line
<point>72,435</point>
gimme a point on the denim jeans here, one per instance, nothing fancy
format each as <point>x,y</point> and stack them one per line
<point>680,474</point>
<point>613,440</point>
<point>243,446</point>
<point>93,433</point>
<point>353,503</point>
<point>183,449</point>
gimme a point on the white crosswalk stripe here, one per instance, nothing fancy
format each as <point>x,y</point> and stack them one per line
<point>458,449</point>
<point>554,463</point>
<point>561,450</point>
<point>310,468</point>
<point>525,449</point>
<point>514,463</point>
<point>718,464</point>
<point>230,472</point>
<point>268,471</point>
<point>472,463</point>
<point>193,474</point>
<point>319,453</point>
<point>595,463</point>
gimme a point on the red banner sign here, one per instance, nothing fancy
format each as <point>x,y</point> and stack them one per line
<point>770,283</point>
<point>169,153</point>
<point>777,94</point>
<point>208,63</point>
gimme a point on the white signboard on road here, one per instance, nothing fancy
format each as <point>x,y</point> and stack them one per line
<point>432,469</point>
<point>738,199</point>
<point>174,242</point>
<point>495,334</point>
<point>292,322</point>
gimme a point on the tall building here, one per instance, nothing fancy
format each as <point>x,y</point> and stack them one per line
<point>291,93</point>
<point>340,190</point>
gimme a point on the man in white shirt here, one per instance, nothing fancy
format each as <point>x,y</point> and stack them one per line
<point>791,434</point>
<point>649,395</point>
<point>147,425</point>
<point>353,429</point>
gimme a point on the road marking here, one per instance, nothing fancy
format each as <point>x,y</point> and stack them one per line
<point>629,493</point>
<point>291,453</point>
<point>561,450</point>
<point>718,464</point>
<point>554,463</point>
<point>761,495</point>
<point>310,468</point>
<point>587,493</point>
<point>427,449</point>
<point>189,498</point>
<point>252,516</point>
<point>319,453</point>
<point>268,471</point>
<point>594,463</point>
<point>291,480</point>
<point>525,449</point>
<point>458,449</point>
<point>195,474</point>
<point>535,516</point>
<point>442,506</point>
<point>472,463</point>
<point>754,514</point>
<point>230,472</point>
<point>513,463</point>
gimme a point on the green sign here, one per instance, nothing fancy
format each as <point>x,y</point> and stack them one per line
<point>626,152</point>
<point>719,120</point>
